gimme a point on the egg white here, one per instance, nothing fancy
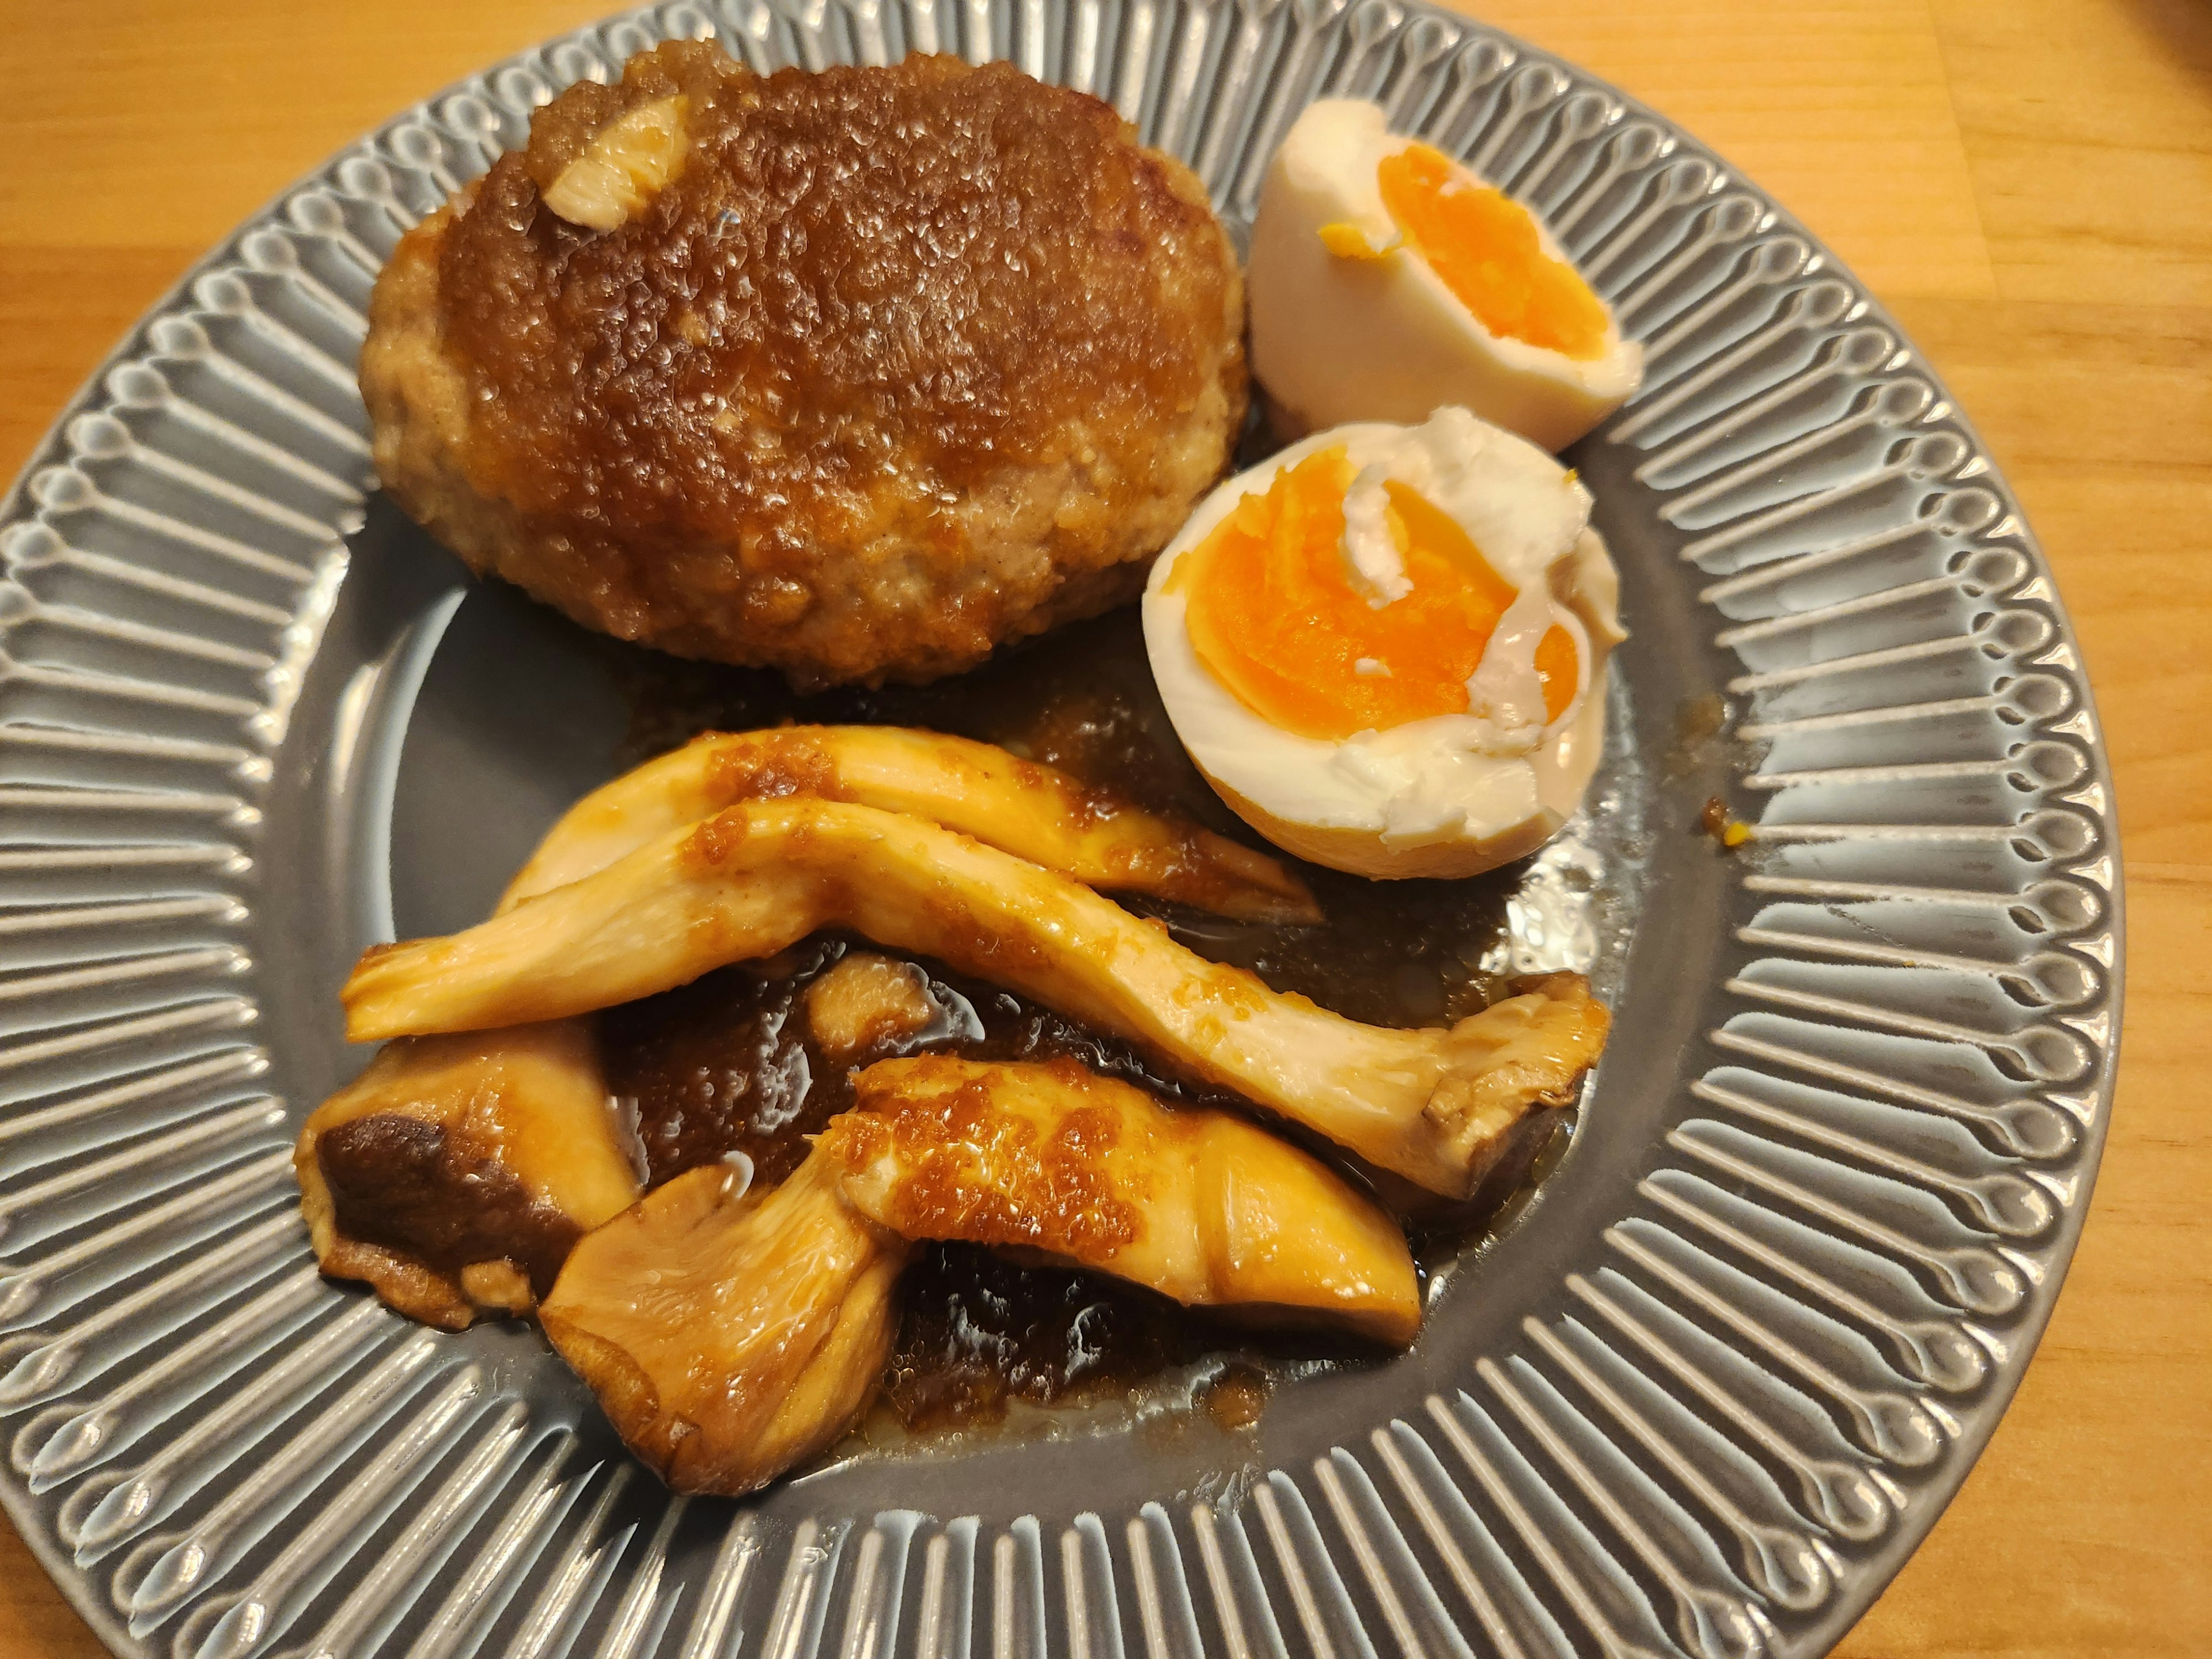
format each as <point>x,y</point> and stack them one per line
<point>1453,794</point>
<point>1336,339</point>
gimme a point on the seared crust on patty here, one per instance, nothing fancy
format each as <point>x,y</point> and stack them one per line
<point>901,364</point>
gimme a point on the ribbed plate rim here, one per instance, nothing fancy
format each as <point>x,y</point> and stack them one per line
<point>1855,1594</point>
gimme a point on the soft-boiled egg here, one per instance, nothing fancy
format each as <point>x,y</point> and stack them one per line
<point>1387,279</point>
<point>1385,647</point>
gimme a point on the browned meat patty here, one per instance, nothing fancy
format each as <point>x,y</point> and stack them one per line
<point>893,366</point>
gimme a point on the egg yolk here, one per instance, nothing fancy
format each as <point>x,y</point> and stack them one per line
<point>1484,246</point>
<point>1273,613</point>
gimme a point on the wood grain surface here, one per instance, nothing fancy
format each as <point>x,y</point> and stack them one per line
<point>2026,183</point>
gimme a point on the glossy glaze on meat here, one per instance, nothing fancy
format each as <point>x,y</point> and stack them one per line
<point>899,363</point>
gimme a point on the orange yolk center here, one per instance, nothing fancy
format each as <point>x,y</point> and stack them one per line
<point>1273,614</point>
<point>1483,247</point>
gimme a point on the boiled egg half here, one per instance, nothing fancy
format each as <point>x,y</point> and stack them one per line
<point>1385,647</point>
<point>1387,279</point>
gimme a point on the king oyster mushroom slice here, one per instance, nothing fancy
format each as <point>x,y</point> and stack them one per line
<point>454,1174</point>
<point>730,1335</point>
<point>1032,811</point>
<point>1055,1163</point>
<point>449,1220</point>
<point>1433,1105</point>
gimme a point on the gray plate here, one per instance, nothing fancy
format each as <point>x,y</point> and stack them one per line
<point>1704,1395</point>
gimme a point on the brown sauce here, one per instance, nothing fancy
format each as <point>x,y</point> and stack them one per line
<point>722,1065</point>
<point>419,1190</point>
<point>726,1064</point>
<point>1236,1397</point>
<point>979,1334</point>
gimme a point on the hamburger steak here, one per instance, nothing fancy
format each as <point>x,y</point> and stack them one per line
<point>857,374</point>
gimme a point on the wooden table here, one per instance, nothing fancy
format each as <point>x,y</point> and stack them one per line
<point>2026,183</point>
